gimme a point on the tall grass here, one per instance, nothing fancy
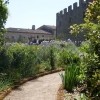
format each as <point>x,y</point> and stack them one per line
<point>4,82</point>
<point>70,77</point>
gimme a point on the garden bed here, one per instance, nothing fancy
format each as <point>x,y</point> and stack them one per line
<point>62,94</point>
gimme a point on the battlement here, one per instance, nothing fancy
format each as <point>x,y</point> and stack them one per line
<point>69,8</point>
<point>81,2</point>
<point>73,14</point>
<point>61,12</point>
<point>74,6</point>
<point>65,10</point>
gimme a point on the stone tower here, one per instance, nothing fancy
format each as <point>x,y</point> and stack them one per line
<point>68,17</point>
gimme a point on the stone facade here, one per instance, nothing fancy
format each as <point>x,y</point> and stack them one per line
<point>28,35</point>
<point>50,29</point>
<point>68,17</point>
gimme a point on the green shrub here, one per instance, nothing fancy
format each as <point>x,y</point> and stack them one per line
<point>43,53</point>
<point>44,66</point>
<point>84,47</point>
<point>19,61</point>
<point>91,28</point>
<point>5,59</point>
<point>24,61</point>
<point>48,55</point>
<point>4,81</point>
<point>52,58</point>
<point>67,57</point>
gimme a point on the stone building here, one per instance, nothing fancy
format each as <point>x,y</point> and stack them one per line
<point>50,29</point>
<point>30,35</point>
<point>70,16</point>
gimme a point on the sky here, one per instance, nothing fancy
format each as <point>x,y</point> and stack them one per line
<point>25,13</point>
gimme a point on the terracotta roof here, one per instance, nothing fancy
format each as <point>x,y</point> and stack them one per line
<point>48,27</point>
<point>51,26</point>
<point>22,30</point>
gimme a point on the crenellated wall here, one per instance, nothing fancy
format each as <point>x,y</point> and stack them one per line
<point>74,14</point>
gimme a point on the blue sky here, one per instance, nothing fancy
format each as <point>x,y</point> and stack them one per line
<point>25,13</point>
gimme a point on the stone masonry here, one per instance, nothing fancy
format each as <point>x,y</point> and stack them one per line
<point>68,17</point>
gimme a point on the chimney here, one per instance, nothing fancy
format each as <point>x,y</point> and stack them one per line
<point>33,27</point>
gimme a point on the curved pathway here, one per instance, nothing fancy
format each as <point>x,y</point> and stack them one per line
<point>42,88</point>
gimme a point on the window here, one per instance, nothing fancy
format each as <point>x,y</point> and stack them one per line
<point>12,37</point>
<point>70,20</point>
<point>37,36</point>
<point>60,23</point>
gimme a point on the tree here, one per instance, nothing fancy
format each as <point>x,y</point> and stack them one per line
<point>91,28</point>
<point>3,18</point>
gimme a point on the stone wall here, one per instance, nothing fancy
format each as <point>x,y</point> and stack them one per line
<point>26,37</point>
<point>70,16</point>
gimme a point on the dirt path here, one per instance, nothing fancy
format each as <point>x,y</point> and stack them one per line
<point>43,88</point>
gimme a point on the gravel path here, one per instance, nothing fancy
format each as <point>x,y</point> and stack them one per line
<point>42,88</point>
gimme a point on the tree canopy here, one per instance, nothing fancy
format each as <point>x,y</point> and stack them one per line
<point>3,18</point>
<point>91,28</point>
